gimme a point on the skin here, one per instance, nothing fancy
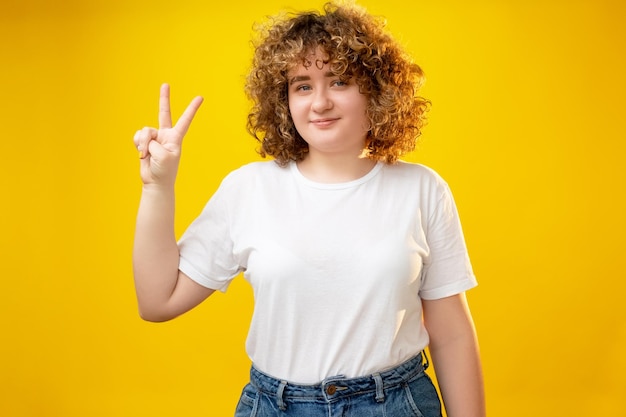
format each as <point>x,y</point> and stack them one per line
<point>330,116</point>
<point>163,292</point>
<point>455,354</point>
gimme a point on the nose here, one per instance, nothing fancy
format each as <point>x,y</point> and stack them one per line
<point>321,101</point>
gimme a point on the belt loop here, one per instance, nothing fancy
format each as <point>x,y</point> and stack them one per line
<point>425,356</point>
<point>279,395</point>
<point>380,394</point>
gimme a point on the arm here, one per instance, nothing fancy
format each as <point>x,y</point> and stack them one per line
<point>163,292</point>
<point>455,354</point>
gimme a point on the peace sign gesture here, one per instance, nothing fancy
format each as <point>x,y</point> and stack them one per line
<point>159,149</point>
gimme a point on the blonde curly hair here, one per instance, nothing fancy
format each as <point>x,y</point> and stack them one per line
<point>358,47</point>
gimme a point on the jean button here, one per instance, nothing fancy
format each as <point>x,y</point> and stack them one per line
<point>331,389</point>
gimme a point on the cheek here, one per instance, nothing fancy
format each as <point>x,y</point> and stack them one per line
<point>356,104</point>
<point>296,109</point>
<point>359,111</point>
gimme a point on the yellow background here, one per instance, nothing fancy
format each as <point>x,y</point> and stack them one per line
<point>526,126</point>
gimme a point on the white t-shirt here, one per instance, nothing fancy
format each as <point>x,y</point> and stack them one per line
<point>338,270</point>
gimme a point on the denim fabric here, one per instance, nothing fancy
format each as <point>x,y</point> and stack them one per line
<point>404,391</point>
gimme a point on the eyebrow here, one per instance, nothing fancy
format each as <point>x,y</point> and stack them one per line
<point>299,78</point>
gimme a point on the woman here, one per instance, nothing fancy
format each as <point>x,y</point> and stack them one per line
<point>357,260</point>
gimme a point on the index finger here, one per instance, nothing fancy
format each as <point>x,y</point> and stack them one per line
<point>182,125</point>
<point>165,115</point>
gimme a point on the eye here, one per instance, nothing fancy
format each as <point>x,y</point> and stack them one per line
<point>303,87</point>
<point>340,83</point>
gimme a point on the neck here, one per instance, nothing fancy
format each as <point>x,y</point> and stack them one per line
<point>334,168</point>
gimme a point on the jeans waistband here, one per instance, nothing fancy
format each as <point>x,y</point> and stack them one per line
<point>336,387</point>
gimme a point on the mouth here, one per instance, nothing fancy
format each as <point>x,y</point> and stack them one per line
<point>324,122</point>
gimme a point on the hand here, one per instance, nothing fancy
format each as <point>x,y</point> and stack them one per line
<point>159,149</point>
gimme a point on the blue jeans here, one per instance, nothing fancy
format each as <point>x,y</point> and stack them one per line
<point>404,391</point>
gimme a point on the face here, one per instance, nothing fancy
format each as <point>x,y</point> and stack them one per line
<point>328,113</point>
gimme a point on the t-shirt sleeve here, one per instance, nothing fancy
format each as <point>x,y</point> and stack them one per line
<point>447,269</point>
<point>206,247</point>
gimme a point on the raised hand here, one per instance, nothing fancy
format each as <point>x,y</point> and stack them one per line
<point>159,149</point>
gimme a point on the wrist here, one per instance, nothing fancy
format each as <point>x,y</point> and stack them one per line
<point>158,189</point>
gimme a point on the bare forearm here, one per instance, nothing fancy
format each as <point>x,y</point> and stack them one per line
<point>459,373</point>
<point>163,292</point>
<point>454,349</point>
<point>155,252</point>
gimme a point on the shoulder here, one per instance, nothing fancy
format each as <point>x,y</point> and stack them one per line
<point>252,179</point>
<point>242,184</point>
<point>253,172</point>
<point>258,167</point>
<point>414,174</point>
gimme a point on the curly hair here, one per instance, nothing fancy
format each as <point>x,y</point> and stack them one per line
<point>358,47</point>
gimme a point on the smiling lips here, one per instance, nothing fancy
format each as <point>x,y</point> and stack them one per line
<point>324,122</point>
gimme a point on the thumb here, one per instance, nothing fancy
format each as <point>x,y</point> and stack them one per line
<point>161,151</point>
